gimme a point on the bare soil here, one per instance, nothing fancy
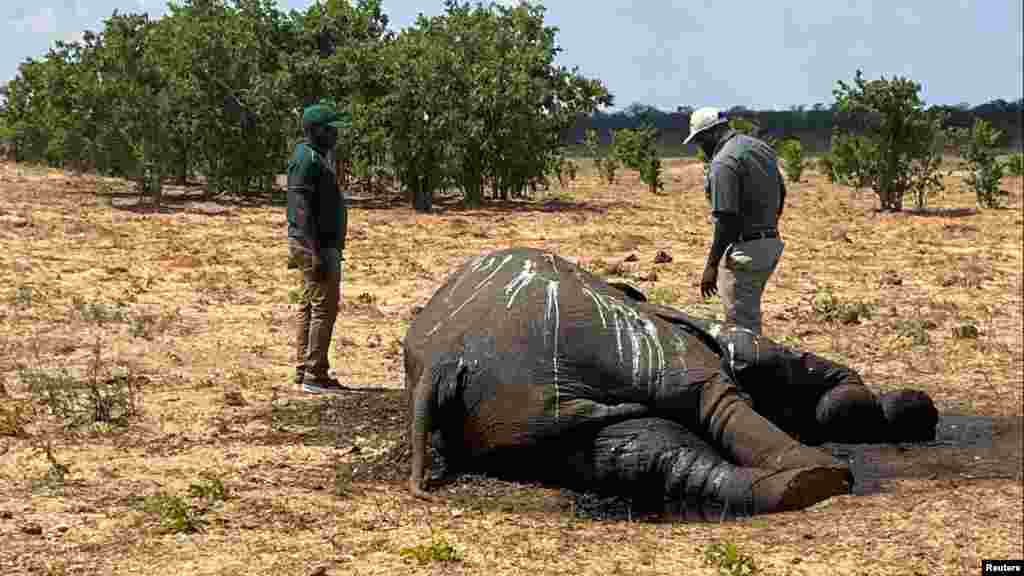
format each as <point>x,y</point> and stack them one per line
<point>198,301</point>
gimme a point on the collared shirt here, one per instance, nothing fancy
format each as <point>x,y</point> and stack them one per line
<point>744,179</point>
<point>316,209</point>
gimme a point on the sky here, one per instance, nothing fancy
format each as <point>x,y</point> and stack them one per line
<point>670,53</point>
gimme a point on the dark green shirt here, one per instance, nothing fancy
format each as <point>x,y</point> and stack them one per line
<point>317,215</point>
<point>744,180</point>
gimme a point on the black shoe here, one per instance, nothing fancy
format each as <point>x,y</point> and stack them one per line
<point>320,386</point>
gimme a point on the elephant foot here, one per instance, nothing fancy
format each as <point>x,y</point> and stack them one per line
<point>852,413</point>
<point>910,416</point>
<point>797,455</point>
<point>796,489</point>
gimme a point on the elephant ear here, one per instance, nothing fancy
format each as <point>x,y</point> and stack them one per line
<point>630,291</point>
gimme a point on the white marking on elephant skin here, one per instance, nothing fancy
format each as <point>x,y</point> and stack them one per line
<point>551,314</point>
<point>480,286</point>
<point>652,333</point>
<point>597,304</point>
<point>680,349</point>
<point>521,280</point>
<point>473,266</point>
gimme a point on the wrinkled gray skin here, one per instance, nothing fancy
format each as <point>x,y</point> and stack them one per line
<point>522,364</point>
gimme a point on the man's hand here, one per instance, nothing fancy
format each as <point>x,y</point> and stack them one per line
<point>709,281</point>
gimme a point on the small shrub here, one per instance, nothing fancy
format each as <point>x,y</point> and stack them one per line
<point>23,297</point>
<point>966,332</point>
<point>637,150</point>
<point>607,164</point>
<point>729,560</point>
<point>437,551</point>
<point>831,309</point>
<point>916,330</point>
<point>99,313</point>
<point>209,488</point>
<point>176,514</point>
<point>792,154</point>
<point>978,148</point>
<point>98,399</point>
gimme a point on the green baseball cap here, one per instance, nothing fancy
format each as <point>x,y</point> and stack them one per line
<point>325,114</point>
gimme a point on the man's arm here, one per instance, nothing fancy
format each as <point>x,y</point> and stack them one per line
<point>725,185</point>
<point>782,195</point>
<point>727,231</point>
<point>724,188</point>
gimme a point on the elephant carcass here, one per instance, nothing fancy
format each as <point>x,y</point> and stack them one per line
<point>525,359</point>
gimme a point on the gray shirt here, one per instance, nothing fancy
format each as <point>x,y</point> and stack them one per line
<point>744,179</point>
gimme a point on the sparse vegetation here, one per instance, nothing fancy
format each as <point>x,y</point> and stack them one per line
<point>186,514</point>
<point>636,149</point>
<point>916,330</point>
<point>607,163</point>
<point>978,148</point>
<point>792,155</point>
<point>105,395</point>
<point>438,550</point>
<point>176,514</point>
<point>831,308</point>
<point>729,561</point>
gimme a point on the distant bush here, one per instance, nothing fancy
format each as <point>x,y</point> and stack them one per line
<point>978,147</point>
<point>792,154</point>
<point>607,163</point>
<point>637,150</point>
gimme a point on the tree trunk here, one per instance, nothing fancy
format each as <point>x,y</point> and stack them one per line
<point>423,194</point>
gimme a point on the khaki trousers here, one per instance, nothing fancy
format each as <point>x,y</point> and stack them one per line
<point>316,310</point>
<point>742,275</point>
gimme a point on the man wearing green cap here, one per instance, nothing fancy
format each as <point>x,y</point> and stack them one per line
<point>317,225</point>
<point>747,194</point>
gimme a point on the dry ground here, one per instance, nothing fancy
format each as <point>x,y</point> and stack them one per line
<point>314,484</point>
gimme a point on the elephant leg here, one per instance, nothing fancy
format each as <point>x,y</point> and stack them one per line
<point>818,400</point>
<point>832,404</point>
<point>749,438</point>
<point>664,466</point>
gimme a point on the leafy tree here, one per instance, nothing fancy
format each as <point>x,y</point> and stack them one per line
<point>978,147</point>
<point>791,153</point>
<point>478,102</point>
<point>636,148</point>
<point>887,139</point>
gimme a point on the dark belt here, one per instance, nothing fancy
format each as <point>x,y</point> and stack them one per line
<point>759,235</point>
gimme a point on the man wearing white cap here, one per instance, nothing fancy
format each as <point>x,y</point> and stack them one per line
<point>747,193</point>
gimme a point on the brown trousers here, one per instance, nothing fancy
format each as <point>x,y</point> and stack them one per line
<point>316,310</point>
<point>742,275</point>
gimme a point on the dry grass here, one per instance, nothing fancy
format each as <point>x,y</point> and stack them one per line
<point>204,295</point>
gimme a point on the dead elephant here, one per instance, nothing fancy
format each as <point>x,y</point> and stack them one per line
<point>523,364</point>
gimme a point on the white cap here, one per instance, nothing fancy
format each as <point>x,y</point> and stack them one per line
<point>704,118</point>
